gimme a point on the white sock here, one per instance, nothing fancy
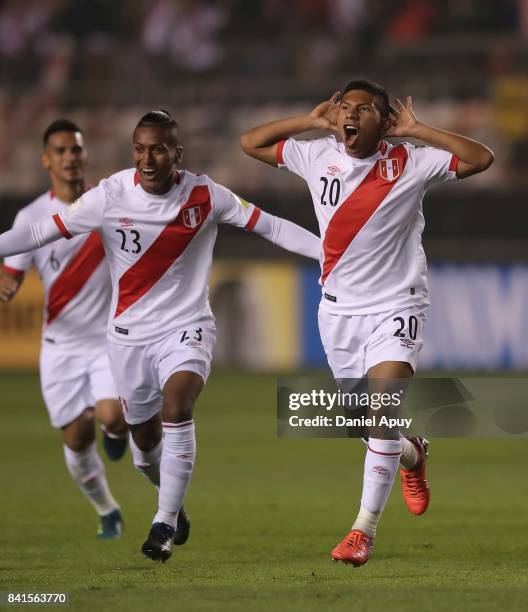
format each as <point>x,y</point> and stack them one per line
<point>177,461</point>
<point>409,457</point>
<point>381,465</point>
<point>88,471</point>
<point>147,462</point>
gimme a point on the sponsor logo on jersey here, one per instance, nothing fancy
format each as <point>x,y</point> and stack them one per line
<point>193,344</point>
<point>122,330</point>
<point>407,343</point>
<point>389,169</point>
<point>244,203</point>
<point>333,170</point>
<point>126,222</point>
<point>331,298</point>
<point>192,217</point>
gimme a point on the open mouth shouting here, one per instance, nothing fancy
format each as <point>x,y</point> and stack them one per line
<point>350,133</point>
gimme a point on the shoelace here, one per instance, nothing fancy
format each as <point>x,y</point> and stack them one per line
<point>164,531</point>
<point>412,482</point>
<point>354,539</point>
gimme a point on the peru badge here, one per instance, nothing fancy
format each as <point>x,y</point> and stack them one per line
<point>389,169</point>
<point>192,217</point>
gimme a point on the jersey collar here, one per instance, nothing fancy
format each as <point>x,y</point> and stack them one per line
<point>383,148</point>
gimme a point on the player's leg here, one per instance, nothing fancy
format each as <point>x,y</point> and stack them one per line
<point>344,339</point>
<point>177,461</point>
<point>184,361</point>
<point>108,410</point>
<point>170,524</point>
<point>146,442</point>
<point>399,337</point>
<point>109,414</point>
<point>380,468</point>
<point>389,356</point>
<point>66,392</point>
<point>87,470</point>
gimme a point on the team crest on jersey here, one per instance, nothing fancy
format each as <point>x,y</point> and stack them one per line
<point>333,170</point>
<point>192,217</point>
<point>389,169</point>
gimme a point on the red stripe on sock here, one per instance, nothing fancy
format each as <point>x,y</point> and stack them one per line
<point>172,425</point>
<point>384,454</point>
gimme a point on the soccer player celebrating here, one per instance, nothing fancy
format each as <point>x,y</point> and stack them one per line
<point>367,196</point>
<point>158,225</point>
<point>76,379</point>
<point>75,374</point>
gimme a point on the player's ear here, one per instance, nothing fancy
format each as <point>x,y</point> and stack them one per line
<point>179,154</point>
<point>386,125</point>
<point>45,161</point>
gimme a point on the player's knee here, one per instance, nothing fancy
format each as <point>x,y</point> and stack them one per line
<point>146,436</point>
<point>110,415</point>
<point>179,395</point>
<point>80,433</point>
<point>177,409</point>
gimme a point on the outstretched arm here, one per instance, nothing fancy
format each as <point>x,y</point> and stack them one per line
<point>287,235</point>
<point>474,157</point>
<point>29,237</point>
<point>261,142</point>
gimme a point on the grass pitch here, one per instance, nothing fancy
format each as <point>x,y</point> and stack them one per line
<point>265,514</point>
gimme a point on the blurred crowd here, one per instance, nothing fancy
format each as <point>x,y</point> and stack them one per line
<point>221,65</point>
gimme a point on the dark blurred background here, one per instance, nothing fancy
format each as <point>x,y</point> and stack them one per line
<point>221,66</point>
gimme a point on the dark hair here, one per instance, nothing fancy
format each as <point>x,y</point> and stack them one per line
<point>60,125</point>
<point>374,89</point>
<point>160,117</point>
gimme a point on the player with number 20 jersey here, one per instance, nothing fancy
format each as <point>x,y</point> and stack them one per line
<point>367,196</point>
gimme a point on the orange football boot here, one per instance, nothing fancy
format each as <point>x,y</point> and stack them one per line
<point>414,484</point>
<point>354,549</point>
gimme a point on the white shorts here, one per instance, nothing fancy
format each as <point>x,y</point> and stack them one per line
<point>72,383</point>
<point>355,343</point>
<point>141,372</point>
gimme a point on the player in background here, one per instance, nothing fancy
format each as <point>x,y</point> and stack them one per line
<point>75,375</point>
<point>367,196</point>
<point>158,224</point>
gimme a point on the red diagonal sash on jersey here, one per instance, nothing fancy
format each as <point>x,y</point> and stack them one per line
<point>360,205</point>
<point>75,275</point>
<point>165,250</point>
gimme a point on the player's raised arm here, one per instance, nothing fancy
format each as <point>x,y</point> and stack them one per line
<point>261,142</point>
<point>473,157</point>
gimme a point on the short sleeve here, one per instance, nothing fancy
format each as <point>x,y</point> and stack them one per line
<point>295,156</point>
<point>232,209</point>
<point>435,165</point>
<point>85,214</point>
<point>18,264</point>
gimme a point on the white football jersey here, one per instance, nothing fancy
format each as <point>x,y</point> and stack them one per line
<point>159,248</point>
<point>370,218</point>
<point>76,282</point>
